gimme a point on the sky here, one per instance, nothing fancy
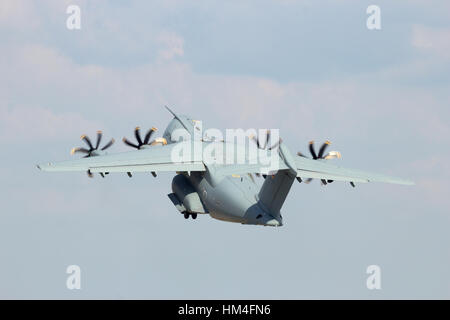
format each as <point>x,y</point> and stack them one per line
<point>312,70</point>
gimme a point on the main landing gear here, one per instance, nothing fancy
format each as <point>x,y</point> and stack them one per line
<point>187,215</point>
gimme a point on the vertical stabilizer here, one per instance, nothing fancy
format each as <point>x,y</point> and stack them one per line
<point>275,190</point>
<point>276,187</point>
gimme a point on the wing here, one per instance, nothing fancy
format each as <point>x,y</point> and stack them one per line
<point>163,158</point>
<point>308,168</point>
<point>158,158</point>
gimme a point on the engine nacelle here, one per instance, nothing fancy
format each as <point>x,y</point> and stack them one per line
<point>188,198</point>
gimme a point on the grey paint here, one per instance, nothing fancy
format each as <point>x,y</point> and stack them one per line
<point>381,99</point>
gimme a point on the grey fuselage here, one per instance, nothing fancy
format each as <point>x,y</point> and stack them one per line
<point>233,198</point>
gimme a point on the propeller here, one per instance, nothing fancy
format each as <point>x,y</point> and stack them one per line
<point>319,156</point>
<point>140,143</point>
<point>92,150</point>
<point>266,142</point>
<point>264,146</point>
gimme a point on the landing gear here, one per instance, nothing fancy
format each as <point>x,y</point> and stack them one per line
<point>187,215</point>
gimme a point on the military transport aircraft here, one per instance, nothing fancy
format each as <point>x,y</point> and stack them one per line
<point>227,192</point>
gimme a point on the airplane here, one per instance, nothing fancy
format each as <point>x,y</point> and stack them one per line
<point>227,192</point>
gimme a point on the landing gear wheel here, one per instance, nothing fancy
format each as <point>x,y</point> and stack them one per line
<point>194,216</point>
<point>186,215</point>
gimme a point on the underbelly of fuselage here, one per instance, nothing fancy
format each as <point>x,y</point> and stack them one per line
<point>231,198</point>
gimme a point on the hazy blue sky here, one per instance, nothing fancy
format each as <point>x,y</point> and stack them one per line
<point>312,70</point>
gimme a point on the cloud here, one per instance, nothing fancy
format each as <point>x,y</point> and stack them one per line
<point>54,83</point>
<point>35,124</point>
<point>171,45</point>
<point>18,14</point>
<point>432,40</point>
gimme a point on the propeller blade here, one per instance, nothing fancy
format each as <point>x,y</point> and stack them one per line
<point>324,182</point>
<point>129,174</point>
<point>88,141</point>
<point>154,174</point>
<point>137,134</point>
<point>267,138</point>
<point>102,174</point>
<point>99,138</point>
<point>308,180</point>
<point>131,144</point>
<point>352,184</point>
<point>311,149</point>
<point>276,144</point>
<point>301,154</point>
<point>323,148</point>
<point>82,150</point>
<point>89,173</point>
<point>299,179</point>
<point>109,144</point>
<point>149,134</point>
<point>256,140</point>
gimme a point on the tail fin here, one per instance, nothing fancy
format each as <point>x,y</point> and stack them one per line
<point>275,190</point>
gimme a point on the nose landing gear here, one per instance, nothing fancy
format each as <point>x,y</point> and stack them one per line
<point>187,215</point>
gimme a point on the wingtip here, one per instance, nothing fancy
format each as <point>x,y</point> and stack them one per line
<point>43,166</point>
<point>48,166</point>
<point>405,182</point>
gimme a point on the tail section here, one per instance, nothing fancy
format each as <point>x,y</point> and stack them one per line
<point>275,190</point>
<point>276,187</point>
